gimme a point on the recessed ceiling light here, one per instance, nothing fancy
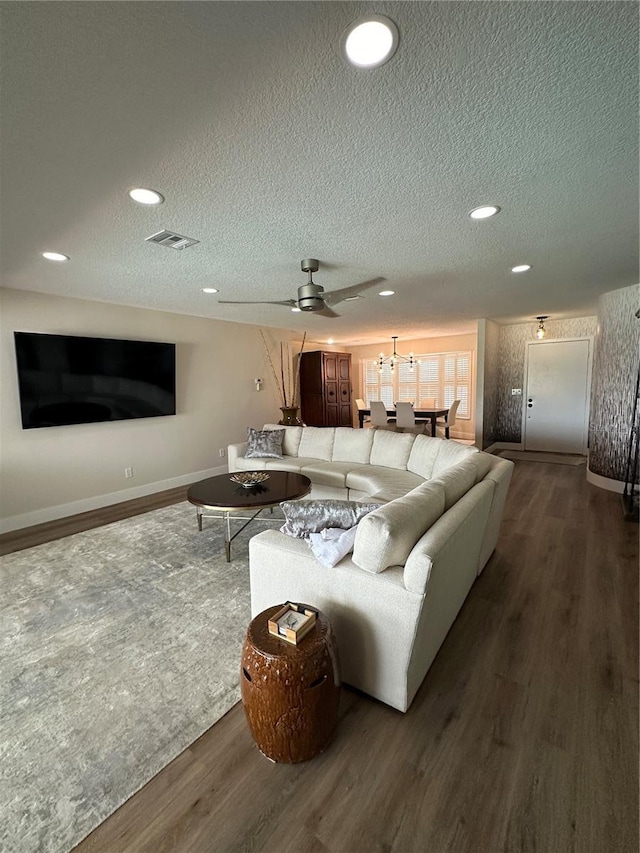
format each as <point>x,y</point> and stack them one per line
<point>370,41</point>
<point>144,196</point>
<point>386,293</point>
<point>55,256</point>
<point>296,310</point>
<point>209,289</point>
<point>521,268</point>
<point>352,298</point>
<point>484,212</point>
<point>330,341</point>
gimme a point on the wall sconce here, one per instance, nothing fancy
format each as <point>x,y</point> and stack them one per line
<point>540,331</point>
<point>258,384</point>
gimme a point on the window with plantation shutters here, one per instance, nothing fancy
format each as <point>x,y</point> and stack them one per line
<point>444,376</point>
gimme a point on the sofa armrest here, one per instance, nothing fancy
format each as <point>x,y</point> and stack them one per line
<point>233,452</point>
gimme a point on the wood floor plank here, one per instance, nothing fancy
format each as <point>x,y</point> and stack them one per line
<point>522,739</point>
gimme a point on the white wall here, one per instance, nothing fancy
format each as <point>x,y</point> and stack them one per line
<point>57,471</point>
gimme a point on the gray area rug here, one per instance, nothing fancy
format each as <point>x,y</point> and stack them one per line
<point>540,456</point>
<point>119,647</point>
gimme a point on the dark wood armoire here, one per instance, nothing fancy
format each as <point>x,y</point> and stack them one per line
<point>325,388</point>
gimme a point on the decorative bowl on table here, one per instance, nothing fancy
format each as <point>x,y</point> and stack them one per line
<point>247,479</point>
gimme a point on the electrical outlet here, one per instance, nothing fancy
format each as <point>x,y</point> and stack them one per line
<point>516,392</point>
<point>128,473</point>
<point>221,452</point>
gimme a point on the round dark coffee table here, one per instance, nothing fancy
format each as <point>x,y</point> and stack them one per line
<point>222,494</point>
<point>290,694</point>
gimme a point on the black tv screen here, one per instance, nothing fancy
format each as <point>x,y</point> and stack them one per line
<point>68,379</point>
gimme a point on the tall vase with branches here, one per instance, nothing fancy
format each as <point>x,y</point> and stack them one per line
<point>287,381</point>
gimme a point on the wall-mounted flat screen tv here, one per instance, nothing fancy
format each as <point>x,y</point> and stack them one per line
<point>68,379</point>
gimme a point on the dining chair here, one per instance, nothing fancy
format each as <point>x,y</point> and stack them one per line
<point>427,403</point>
<point>379,417</point>
<point>360,404</point>
<point>443,425</point>
<point>406,419</point>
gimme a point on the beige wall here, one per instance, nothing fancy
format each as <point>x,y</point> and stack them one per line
<point>53,472</point>
<point>453,343</point>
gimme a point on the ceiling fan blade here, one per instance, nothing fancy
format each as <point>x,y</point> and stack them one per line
<point>335,296</point>
<point>326,312</point>
<point>290,303</point>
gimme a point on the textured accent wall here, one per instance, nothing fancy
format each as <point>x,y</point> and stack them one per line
<point>511,371</point>
<point>613,384</point>
<point>491,382</point>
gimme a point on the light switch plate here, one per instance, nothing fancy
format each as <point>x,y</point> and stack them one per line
<point>516,392</point>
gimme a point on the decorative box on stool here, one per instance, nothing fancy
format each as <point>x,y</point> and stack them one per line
<point>290,693</point>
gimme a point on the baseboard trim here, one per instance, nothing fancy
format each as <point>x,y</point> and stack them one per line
<point>504,445</point>
<point>604,482</point>
<point>53,513</point>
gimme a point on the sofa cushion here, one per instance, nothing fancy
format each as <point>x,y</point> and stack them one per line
<point>317,442</point>
<point>374,479</point>
<point>391,449</point>
<point>456,481</point>
<point>244,464</point>
<point>352,445</point>
<point>450,453</point>
<point>264,443</point>
<point>328,473</point>
<point>482,462</point>
<point>387,535</point>
<point>288,463</point>
<point>305,516</point>
<point>292,436</point>
<point>423,455</point>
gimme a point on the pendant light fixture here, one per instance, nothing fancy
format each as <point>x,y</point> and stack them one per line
<point>392,359</point>
<point>540,331</point>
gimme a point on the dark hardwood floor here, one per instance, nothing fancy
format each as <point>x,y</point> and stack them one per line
<point>38,534</point>
<point>522,739</point>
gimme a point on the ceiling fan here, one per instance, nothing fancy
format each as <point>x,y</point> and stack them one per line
<point>311,296</point>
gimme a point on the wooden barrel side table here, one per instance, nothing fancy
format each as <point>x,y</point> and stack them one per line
<point>290,693</point>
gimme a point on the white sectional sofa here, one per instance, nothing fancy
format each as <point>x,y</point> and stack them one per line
<point>392,601</point>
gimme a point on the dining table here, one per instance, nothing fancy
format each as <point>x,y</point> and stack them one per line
<point>422,415</point>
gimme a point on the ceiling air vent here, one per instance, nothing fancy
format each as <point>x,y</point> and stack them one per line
<point>172,240</point>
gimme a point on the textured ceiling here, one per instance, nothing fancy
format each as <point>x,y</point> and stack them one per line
<point>269,148</point>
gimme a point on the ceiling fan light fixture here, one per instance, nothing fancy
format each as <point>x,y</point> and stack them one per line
<point>484,212</point>
<point>296,310</point>
<point>370,41</point>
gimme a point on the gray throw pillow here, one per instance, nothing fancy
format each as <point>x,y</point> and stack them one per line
<point>264,443</point>
<point>305,517</point>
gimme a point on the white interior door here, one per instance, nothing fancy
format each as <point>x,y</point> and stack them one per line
<point>556,404</point>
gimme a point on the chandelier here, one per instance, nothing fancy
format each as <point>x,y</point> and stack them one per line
<point>394,357</point>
